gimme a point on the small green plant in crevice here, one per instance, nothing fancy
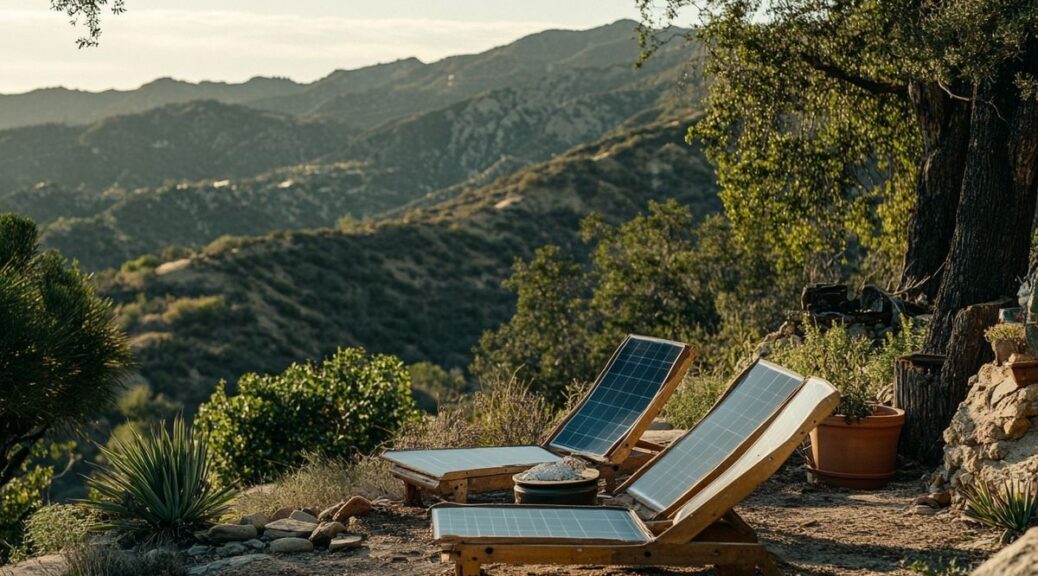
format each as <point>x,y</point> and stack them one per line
<point>1010,506</point>
<point>940,567</point>
<point>1007,332</point>
<point>158,484</point>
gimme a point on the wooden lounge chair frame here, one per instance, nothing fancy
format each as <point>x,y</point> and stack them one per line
<point>713,535</point>
<point>626,455</point>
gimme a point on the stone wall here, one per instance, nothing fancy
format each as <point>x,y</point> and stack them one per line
<point>992,436</point>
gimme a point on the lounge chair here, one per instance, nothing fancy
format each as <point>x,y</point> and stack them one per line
<point>604,429</point>
<point>697,527</point>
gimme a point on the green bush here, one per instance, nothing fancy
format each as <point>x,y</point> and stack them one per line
<point>853,364</point>
<point>693,399</point>
<point>56,527</point>
<point>158,484</point>
<point>347,405</point>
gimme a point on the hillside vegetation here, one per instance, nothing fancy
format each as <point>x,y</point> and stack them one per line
<point>423,286</point>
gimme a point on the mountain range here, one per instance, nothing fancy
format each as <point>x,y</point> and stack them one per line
<point>240,227</point>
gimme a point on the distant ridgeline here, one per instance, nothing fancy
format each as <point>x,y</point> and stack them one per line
<point>410,188</point>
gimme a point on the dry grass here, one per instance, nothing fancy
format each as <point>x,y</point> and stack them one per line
<point>105,560</point>
<point>320,483</point>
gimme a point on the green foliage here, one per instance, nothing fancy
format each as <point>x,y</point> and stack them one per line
<point>141,410</point>
<point>853,364</point>
<point>105,560</point>
<point>693,399</point>
<point>56,527</point>
<point>348,404</point>
<point>941,567</point>
<point>160,484</point>
<point>432,386</point>
<point>1010,507</point>
<point>1007,332</point>
<point>657,274</point>
<point>203,311</point>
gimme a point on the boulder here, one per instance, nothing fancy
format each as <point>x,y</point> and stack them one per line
<point>291,545</point>
<point>356,506</point>
<point>231,549</point>
<point>255,544</point>
<point>345,542</point>
<point>282,513</point>
<point>257,519</point>
<point>222,533</point>
<point>1017,559</point>
<point>288,528</point>
<point>198,550</point>
<point>328,513</point>
<point>324,533</point>
<point>303,516</point>
<point>218,565</point>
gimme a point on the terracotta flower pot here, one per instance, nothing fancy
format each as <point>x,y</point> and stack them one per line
<point>857,454</point>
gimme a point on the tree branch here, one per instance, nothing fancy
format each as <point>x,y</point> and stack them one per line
<point>868,84</point>
<point>12,464</point>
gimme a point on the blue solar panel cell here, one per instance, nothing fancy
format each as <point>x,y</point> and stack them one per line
<point>532,522</point>
<point>749,405</point>
<point>626,389</point>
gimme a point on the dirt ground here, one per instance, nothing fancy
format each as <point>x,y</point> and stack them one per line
<point>813,530</point>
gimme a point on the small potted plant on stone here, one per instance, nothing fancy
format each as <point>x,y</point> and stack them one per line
<point>1006,339</point>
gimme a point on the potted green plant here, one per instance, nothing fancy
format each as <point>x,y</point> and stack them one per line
<point>1006,339</point>
<point>857,446</point>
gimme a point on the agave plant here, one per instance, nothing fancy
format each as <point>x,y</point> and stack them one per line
<point>1010,507</point>
<point>159,483</point>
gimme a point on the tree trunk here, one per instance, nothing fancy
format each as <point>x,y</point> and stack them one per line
<point>944,127</point>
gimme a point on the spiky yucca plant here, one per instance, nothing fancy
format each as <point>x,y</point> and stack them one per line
<point>1009,507</point>
<point>159,483</point>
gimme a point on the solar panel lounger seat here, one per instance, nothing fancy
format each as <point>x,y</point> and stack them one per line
<point>704,530</point>
<point>604,429</point>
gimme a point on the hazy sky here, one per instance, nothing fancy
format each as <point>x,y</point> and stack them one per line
<point>234,40</point>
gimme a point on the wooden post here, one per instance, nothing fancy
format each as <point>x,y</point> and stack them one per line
<point>412,495</point>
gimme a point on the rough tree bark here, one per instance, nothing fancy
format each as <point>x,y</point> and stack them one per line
<point>944,128</point>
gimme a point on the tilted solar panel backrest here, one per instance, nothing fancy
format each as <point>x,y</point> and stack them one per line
<point>812,402</point>
<point>623,392</point>
<point>748,405</point>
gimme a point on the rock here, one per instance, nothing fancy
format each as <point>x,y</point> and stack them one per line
<point>231,549</point>
<point>944,498</point>
<point>1017,559</point>
<point>356,506</point>
<point>303,516</point>
<point>346,542</point>
<point>218,565</point>
<point>288,528</point>
<point>310,511</point>
<point>1015,429</point>
<point>257,519</point>
<point>291,545</point>
<point>255,544</point>
<point>282,514</point>
<point>327,514</point>
<point>230,533</point>
<point>324,533</point>
<point>198,550</point>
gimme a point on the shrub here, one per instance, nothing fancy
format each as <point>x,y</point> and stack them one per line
<point>102,560</point>
<point>321,482</point>
<point>1007,332</point>
<point>347,405</point>
<point>1010,507</point>
<point>56,527</point>
<point>693,399</point>
<point>851,363</point>
<point>159,484</point>
<point>505,413</point>
<point>201,311</point>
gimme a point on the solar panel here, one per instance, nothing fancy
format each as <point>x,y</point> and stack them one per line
<point>530,522</point>
<point>625,390</point>
<point>437,463</point>
<point>752,401</point>
<point>784,427</point>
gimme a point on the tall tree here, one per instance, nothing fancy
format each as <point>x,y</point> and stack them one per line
<point>62,358</point>
<point>901,126</point>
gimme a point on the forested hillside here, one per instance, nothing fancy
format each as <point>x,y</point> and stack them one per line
<point>424,285</point>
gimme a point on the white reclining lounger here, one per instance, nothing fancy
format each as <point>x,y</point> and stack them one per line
<point>701,530</point>
<point>604,429</point>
